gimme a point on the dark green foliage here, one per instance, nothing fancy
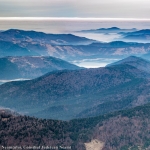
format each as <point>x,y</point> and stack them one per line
<point>106,108</point>
<point>147,143</point>
<point>124,148</point>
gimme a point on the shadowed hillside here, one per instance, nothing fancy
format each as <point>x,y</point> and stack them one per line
<point>30,67</point>
<point>65,94</point>
<point>134,61</point>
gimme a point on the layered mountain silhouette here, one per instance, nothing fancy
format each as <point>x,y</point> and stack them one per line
<point>16,42</point>
<point>109,30</point>
<point>30,67</point>
<point>65,94</point>
<point>73,52</point>
<point>65,46</point>
<point>138,36</point>
<point>15,36</point>
<point>110,106</point>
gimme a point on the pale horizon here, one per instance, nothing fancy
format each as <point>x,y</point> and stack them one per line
<point>75,18</point>
<point>75,8</point>
<point>70,25</point>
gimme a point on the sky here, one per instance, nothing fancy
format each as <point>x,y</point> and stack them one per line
<point>76,8</point>
<point>59,16</point>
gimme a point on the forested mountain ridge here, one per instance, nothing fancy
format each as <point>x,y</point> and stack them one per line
<point>64,94</point>
<point>119,130</point>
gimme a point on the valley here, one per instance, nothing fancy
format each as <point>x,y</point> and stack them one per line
<point>65,94</point>
<point>46,99</point>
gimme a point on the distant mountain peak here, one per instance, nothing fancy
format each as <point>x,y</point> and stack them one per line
<point>132,58</point>
<point>114,28</point>
<point>12,31</point>
<point>134,61</point>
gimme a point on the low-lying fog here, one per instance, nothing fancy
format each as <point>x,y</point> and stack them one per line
<point>4,81</point>
<point>100,36</point>
<point>94,63</point>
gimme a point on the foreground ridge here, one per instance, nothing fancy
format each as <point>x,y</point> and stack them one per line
<point>118,130</point>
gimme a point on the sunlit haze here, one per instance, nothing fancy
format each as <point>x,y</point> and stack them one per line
<point>74,8</point>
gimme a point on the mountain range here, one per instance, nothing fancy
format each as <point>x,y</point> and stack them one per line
<point>23,37</point>
<point>138,36</point>
<point>126,35</point>
<point>31,43</point>
<point>76,52</point>
<point>66,94</point>
<point>64,106</point>
<point>16,42</point>
<point>109,30</point>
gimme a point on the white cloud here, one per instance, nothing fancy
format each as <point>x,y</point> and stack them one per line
<point>75,8</point>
